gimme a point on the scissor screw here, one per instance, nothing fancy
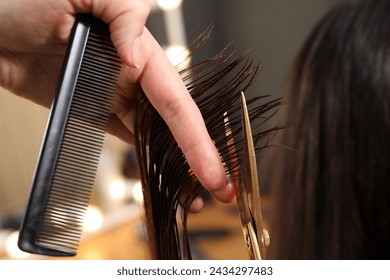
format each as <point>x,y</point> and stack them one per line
<point>248,242</point>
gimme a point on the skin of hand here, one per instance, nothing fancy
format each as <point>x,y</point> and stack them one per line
<point>34,35</point>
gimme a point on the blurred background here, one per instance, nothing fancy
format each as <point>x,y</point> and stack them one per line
<point>273,30</point>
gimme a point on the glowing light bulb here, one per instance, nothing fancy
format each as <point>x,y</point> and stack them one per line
<point>93,219</point>
<point>117,189</point>
<point>178,55</point>
<point>12,249</point>
<point>168,5</point>
<point>137,192</point>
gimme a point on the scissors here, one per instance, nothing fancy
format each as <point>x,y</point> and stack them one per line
<point>248,195</point>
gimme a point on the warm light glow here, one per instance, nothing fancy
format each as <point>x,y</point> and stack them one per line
<point>93,219</point>
<point>137,192</point>
<point>94,253</point>
<point>168,5</point>
<point>117,189</point>
<point>12,249</point>
<point>178,55</point>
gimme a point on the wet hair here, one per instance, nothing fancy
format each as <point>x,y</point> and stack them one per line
<point>169,185</point>
<point>332,194</point>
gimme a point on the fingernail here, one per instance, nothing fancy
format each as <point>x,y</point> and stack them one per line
<point>137,52</point>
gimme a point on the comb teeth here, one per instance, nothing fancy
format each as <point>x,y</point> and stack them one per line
<point>80,150</point>
<point>70,154</point>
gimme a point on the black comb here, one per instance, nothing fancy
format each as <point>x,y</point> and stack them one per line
<point>73,142</point>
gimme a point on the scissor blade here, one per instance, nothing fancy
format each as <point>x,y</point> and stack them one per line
<point>252,181</point>
<point>243,207</point>
<point>241,195</point>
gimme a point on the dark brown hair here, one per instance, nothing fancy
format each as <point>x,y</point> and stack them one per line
<point>333,193</point>
<point>215,85</point>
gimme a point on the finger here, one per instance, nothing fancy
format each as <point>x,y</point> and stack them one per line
<point>196,205</point>
<point>226,194</point>
<point>166,91</point>
<point>126,19</point>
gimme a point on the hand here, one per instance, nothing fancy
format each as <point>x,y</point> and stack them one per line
<point>34,36</point>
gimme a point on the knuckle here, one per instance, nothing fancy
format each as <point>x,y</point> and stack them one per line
<point>142,8</point>
<point>174,109</point>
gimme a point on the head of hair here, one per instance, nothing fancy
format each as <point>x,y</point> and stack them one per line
<point>332,194</point>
